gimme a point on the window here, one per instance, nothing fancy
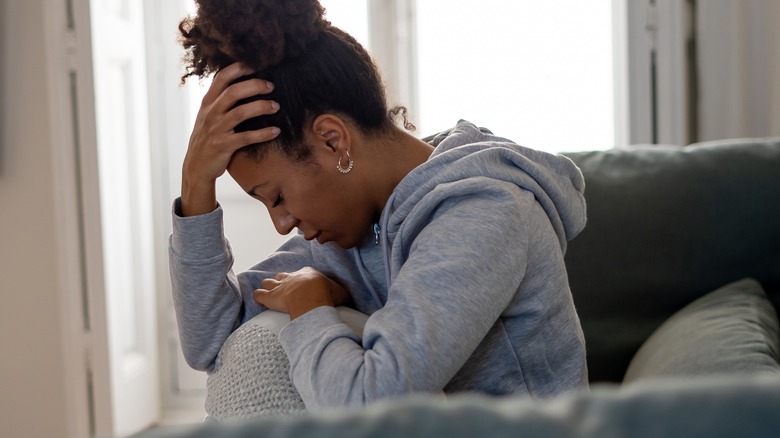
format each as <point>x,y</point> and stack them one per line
<point>538,73</point>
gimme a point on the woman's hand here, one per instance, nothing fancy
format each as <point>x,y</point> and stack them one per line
<point>214,141</point>
<point>299,292</point>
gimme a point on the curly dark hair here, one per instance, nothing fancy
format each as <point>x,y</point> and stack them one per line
<point>316,68</point>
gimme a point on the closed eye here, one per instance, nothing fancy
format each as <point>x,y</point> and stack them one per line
<point>278,200</point>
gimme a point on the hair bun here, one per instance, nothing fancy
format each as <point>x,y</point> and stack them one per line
<point>260,33</point>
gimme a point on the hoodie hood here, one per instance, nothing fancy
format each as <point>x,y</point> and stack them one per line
<point>467,151</point>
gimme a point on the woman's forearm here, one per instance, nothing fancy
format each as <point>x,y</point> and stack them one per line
<point>197,197</point>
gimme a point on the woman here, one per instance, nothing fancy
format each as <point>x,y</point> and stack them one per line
<point>453,247</point>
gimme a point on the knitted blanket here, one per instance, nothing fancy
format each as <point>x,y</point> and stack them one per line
<point>251,377</point>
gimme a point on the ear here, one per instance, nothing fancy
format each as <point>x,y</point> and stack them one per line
<point>332,132</point>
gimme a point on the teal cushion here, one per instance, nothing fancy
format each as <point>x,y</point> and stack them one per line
<point>731,330</point>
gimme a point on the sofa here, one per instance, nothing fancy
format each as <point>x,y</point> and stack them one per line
<point>668,225</point>
<point>676,279</point>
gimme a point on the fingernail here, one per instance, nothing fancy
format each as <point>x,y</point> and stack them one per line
<point>275,130</point>
<point>275,105</point>
<point>269,85</point>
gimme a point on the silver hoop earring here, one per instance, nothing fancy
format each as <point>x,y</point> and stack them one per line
<point>347,169</point>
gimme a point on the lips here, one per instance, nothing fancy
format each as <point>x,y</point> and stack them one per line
<point>312,236</point>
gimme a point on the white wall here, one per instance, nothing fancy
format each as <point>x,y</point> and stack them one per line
<point>32,390</point>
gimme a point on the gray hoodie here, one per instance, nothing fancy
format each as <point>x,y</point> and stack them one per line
<point>466,290</point>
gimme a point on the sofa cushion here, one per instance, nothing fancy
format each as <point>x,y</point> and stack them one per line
<point>731,330</point>
<point>667,225</point>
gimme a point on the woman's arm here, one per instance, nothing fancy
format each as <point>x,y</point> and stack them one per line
<point>460,274</point>
<point>207,295</point>
<point>209,299</point>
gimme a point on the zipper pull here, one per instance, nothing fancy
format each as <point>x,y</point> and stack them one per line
<point>377,232</point>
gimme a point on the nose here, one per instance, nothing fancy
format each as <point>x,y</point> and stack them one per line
<point>284,222</point>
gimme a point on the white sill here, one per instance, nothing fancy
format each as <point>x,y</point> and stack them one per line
<point>182,417</point>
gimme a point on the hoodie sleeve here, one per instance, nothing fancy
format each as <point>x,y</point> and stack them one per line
<point>462,265</point>
<point>209,298</point>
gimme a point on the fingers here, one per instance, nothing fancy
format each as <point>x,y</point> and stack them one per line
<point>270,300</point>
<point>246,112</point>
<point>237,140</point>
<point>298,292</point>
<point>269,284</point>
<point>271,295</point>
<point>216,123</point>
<point>249,110</point>
<point>223,79</point>
<point>232,94</point>
<point>223,116</point>
<point>265,292</point>
<point>214,141</point>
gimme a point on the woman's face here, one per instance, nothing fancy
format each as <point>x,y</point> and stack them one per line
<point>312,196</point>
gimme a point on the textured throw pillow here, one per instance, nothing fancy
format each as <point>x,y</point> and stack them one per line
<point>731,330</point>
<point>251,377</point>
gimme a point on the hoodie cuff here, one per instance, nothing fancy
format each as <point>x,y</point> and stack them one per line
<point>301,332</point>
<point>198,237</point>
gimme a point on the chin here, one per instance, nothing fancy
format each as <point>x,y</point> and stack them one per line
<point>340,243</point>
<point>346,243</point>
